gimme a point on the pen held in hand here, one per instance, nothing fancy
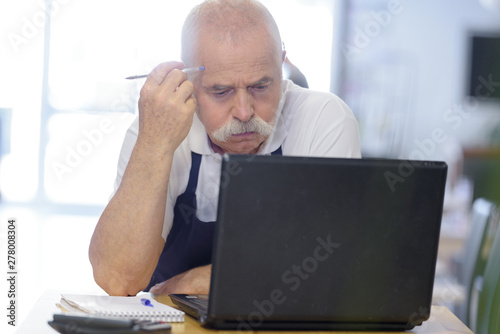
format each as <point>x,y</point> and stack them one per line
<point>185,70</point>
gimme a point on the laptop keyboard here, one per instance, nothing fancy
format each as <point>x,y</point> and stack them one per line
<point>200,300</point>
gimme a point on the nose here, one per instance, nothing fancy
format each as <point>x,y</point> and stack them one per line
<point>243,106</point>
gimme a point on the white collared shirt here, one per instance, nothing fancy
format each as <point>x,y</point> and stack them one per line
<point>308,123</point>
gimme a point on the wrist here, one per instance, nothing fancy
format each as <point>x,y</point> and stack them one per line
<point>154,148</point>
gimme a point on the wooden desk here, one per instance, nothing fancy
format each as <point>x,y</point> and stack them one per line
<point>441,320</point>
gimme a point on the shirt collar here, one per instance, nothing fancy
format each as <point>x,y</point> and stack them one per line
<point>197,138</point>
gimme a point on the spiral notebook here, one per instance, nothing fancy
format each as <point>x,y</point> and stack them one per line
<point>141,307</point>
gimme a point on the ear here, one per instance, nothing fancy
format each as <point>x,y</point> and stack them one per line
<point>283,56</point>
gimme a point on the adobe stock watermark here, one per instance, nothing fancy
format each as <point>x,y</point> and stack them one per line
<point>93,138</point>
<point>292,278</point>
<point>12,271</point>
<point>379,21</point>
<point>84,148</point>
<point>31,27</point>
<point>447,292</point>
<point>453,118</point>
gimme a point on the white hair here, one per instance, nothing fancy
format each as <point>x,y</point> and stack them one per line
<point>227,20</point>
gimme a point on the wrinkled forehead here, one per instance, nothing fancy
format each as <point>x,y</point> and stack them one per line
<point>244,62</point>
<point>228,26</point>
<point>256,42</point>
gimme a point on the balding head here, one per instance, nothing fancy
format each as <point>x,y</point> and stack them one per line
<point>228,21</point>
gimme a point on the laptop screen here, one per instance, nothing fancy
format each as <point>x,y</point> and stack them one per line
<point>325,240</point>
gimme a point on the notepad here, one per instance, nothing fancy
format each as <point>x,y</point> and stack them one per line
<point>141,307</point>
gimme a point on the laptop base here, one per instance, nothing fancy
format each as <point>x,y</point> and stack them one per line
<point>303,326</point>
<point>197,305</point>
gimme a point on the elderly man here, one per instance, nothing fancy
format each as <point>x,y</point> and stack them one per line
<point>156,232</point>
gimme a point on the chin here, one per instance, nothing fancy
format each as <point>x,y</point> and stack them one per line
<point>247,147</point>
<point>243,150</point>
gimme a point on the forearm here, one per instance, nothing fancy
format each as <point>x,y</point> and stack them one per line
<point>127,241</point>
<point>193,281</point>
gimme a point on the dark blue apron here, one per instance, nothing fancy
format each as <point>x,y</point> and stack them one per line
<point>189,243</point>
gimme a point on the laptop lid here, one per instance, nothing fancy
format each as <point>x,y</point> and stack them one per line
<point>324,243</point>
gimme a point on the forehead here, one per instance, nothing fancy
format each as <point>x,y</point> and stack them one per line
<point>232,63</point>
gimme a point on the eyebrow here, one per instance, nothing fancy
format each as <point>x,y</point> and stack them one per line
<point>221,87</point>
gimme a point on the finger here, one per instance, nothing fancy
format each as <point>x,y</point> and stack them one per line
<point>159,288</point>
<point>155,289</point>
<point>160,72</point>
<point>173,81</point>
<point>185,90</point>
<point>191,103</point>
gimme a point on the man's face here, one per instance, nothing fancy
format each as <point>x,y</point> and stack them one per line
<point>240,84</point>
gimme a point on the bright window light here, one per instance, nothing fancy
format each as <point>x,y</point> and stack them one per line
<point>82,155</point>
<point>307,31</point>
<point>94,45</point>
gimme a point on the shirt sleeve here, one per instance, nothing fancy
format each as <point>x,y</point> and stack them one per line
<point>335,131</point>
<point>319,124</point>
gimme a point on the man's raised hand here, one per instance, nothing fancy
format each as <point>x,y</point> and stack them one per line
<point>166,108</point>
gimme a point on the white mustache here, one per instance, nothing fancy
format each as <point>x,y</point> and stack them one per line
<point>236,127</point>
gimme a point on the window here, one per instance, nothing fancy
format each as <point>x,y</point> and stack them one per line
<point>70,103</point>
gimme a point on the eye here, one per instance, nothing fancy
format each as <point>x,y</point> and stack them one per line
<point>220,93</point>
<point>260,88</point>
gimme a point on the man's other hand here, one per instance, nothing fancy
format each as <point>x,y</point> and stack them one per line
<point>194,281</point>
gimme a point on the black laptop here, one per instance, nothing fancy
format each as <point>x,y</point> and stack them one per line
<point>323,244</point>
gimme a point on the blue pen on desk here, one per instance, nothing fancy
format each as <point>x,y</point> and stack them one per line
<point>185,70</point>
<point>146,302</point>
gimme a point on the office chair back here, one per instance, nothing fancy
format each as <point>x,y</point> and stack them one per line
<point>473,257</point>
<point>488,316</point>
